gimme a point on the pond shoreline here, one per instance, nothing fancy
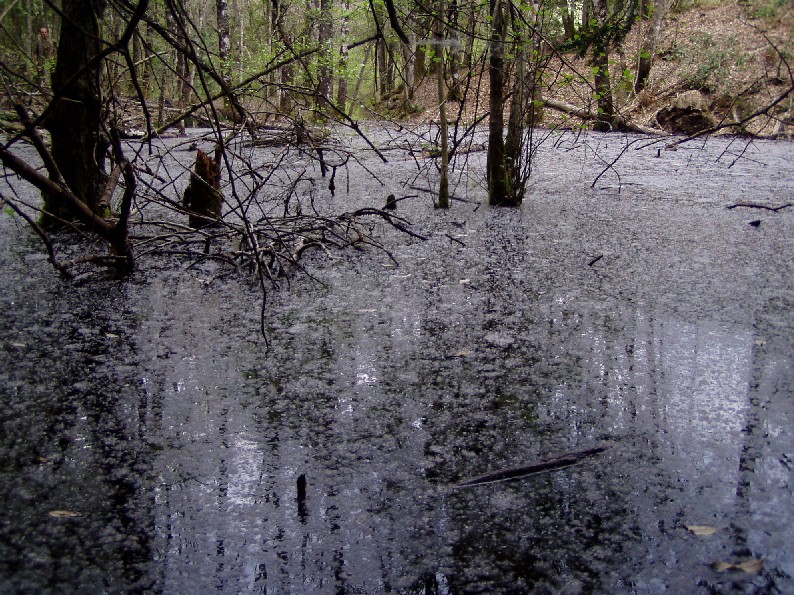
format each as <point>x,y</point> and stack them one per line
<point>154,442</point>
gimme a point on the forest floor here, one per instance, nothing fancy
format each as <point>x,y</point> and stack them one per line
<point>731,53</point>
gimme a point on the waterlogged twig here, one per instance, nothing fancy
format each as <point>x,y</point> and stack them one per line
<point>751,205</point>
<point>515,473</point>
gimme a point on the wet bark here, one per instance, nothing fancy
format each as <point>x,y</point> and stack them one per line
<point>326,33</point>
<point>79,147</point>
<point>515,131</point>
<point>497,187</point>
<point>603,88</point>
<point>601,82</point>
<point>443,186</point>
<point>344,51</point>
<point>203,196</point>
<point>560,462</point>
<point>224,38</point>
<point>648,48</point>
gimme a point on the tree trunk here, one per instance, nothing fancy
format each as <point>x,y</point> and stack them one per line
<point>602,84</point>
<point>362,71</point>
<point>224,43</point>
<point>344,52</point>
<point>443,185</point>
<point>456,52</point>
<point>409,59</point>
<point>381,70</point>
<point>497,181</point>
<point>586,8</point>
<point>648,47</point>
<point>325,38</point>
<point>514,146</point>
<point>471,29</point>
<point>79,146</point>
<point>568,24</point>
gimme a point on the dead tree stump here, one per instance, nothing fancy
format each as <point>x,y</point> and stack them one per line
<point>203,198</point>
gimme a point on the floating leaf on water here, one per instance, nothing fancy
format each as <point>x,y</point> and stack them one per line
<point>63,514</point>
<point>749,566</point>
<point>702,530</point>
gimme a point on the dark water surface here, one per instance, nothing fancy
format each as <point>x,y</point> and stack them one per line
<point>151,443</point>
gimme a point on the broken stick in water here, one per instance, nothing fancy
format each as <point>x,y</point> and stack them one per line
<point>512,474</point>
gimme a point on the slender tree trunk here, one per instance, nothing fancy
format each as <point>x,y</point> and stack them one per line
<point>602,84</point>
<point>456,51</point>
<point>566,15</point>
<point>586,10</point>
<point>240,10</point>
<point>325,38</point>
<point>471,29</point>
<point>79,146</point>
<point>515,131</point>
<point>341,86</point>
<point>391,67</point>
<point>137,56</point>
<point>272,11</point>
<point>30,33</point>
<point>149,75</point>
<point>603,88</point>
<point>183,81</point>
<point>381,71</point>
<point>224,47</point>
<point>648,47</point>
<point>287,72</point>
<point>443,184</point>
<point>409,59</point>
<point>362,71</point>
<point>497,176</point>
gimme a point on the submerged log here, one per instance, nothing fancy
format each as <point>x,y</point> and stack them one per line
<point>512,474</point>
<point>203,198</point>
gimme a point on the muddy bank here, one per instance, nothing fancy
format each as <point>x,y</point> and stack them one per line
<point>153,442</point>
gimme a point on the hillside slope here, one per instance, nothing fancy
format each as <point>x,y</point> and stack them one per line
<point>726,60</point>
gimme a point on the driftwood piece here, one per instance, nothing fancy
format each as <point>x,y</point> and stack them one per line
<point>515,473</point>
<point>750,205</point>
<point>203,196</point>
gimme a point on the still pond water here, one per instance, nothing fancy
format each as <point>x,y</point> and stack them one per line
<point>151,442</point>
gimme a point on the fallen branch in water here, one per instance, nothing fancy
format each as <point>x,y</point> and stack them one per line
<point>515,473</point>
<point>618,122</point>
<point>750,205</point>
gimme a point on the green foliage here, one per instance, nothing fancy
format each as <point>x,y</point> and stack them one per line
<point>712,61</point>
<point>772,9</point>
<point>684,5</point>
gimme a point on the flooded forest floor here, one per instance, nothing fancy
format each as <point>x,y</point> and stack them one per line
<point>153,442</point>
